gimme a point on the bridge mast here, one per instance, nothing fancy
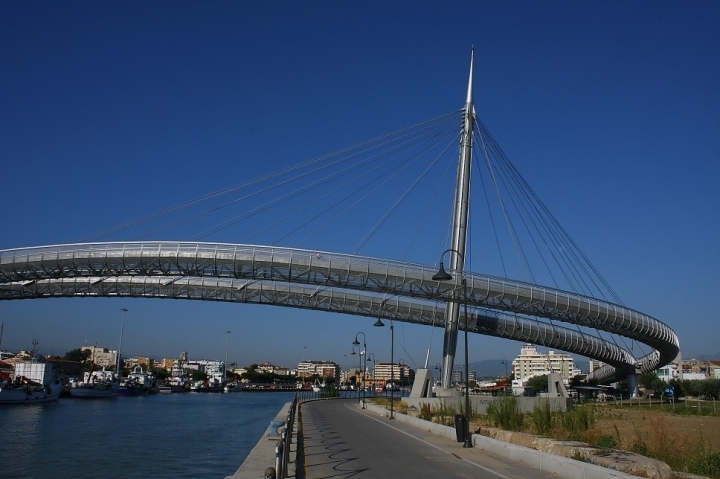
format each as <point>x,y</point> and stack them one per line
<point>459,230</point>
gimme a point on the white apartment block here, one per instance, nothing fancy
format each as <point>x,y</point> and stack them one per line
<point>383,373</point>
<point>101,356</point>
<point>533,363</point>
<point>324,369</point>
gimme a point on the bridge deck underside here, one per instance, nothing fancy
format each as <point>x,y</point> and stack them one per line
<point>339,283</point>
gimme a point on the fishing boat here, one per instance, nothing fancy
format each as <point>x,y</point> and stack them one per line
<point>175,384</point>
<point>212,384</point>
<point>33,382</point>
<point>233,387</point>
<point>95,384</point>
<point>138,383</point>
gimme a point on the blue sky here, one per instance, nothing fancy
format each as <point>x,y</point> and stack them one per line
<point>115,110</point>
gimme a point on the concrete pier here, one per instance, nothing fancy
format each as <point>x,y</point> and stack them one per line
<point>342,439</point>
<point>263,454</point>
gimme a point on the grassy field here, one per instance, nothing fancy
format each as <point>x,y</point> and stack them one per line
<point>687,438</point>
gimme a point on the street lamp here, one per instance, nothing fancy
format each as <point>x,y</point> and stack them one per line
<point>373,361</point>
<point>357,374</point>
<point>380,324</point>
<point>362,364</point>
<point>122,328</point>
<point>443,275</point>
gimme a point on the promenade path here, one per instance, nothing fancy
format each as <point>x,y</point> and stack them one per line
<point>342,440</point>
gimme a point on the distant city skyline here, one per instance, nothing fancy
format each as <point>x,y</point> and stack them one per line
<point>111,113</point>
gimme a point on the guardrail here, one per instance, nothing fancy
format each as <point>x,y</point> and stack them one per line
<point>282,449</point>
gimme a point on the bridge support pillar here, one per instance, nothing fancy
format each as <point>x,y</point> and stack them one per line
<point>632,381</point>
<point>422,386</point>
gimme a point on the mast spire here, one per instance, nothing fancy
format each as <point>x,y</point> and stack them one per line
<point>459,230</point>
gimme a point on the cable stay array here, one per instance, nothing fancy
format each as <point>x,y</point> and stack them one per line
<point>388,197</point>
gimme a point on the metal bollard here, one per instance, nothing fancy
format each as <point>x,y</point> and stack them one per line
<point>269,473</point>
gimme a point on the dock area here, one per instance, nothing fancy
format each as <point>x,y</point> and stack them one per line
<point>263,454</point>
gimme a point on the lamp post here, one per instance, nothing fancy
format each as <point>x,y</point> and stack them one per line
<point>357,375</point>
<point>443,275</point>
<point>380,324</point>
<point>373,375</point>
<point>361,352</point>
<point>122,329</point>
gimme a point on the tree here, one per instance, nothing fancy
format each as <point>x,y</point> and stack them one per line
<point>161,373</point>
<point>651,381</point>
<point>710,388</point>
<point>78,355</point>
<point>538,383</point>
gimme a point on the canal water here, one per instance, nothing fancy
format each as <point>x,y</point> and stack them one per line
<point>163,435</point>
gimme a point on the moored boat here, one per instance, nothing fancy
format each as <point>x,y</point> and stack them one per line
<point>175,384</point>
<point>95,384</point>
<point>33,382</point>
<point>233,387</point>
<point>138,383</point>
<point>210,385</point>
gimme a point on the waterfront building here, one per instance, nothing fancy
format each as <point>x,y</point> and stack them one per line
<point>167,363</point>
<point>271,368</point>
<point>207,366</point>
<point>531,363</point>
<point>101,356</point>
<point>324,369</point>
<point>457,376</point>
<point>346,375</point>
<point>143,361</point>
<point>401,373</point>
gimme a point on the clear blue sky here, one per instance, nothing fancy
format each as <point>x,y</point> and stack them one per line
<point>610,110</point>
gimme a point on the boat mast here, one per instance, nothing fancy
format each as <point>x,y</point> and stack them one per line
<point>459,230</point>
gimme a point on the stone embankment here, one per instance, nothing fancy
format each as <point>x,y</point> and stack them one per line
<point>624,461</point>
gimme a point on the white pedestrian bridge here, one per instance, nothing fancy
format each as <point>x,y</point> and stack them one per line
<point>338,283</point>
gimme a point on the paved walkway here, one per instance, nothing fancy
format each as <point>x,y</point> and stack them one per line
<point>341,440</point>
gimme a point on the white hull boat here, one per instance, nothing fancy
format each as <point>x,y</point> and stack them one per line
<point>97,384</point>
<point>33,383</point>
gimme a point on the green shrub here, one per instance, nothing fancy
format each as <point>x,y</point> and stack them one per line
<point>706,465</point>
<point>425,412</point>
<point>607,441</point>
<point>505,413</point>
<point>542,418</point>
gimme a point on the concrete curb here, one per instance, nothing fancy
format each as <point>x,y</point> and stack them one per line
<point>549,463</point>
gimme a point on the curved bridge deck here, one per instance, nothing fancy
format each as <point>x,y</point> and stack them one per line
<point>336,282</point>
